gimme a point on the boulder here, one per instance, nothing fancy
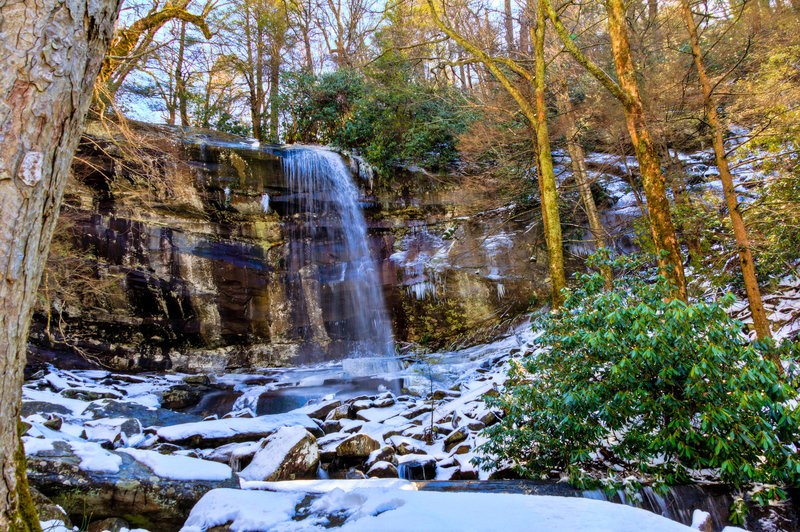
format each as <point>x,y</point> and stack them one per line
<point>355,474</point>
<point>288,454</point>
<point>357,446</point>
<point>148,417</point>
<point>385,454</point>
<point>110,524</point>
<point>208,434</point>
<point>340,412</point>
<point>455,437</point>
<point>329,427</point>
<point>382,470</point>
<point>180,397</point>
<point>417,467</point>
<point>320,410</point>
<point>131,491</point>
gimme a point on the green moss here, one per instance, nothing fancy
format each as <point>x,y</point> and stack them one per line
<point>25,518</point>
<point>139,521</point>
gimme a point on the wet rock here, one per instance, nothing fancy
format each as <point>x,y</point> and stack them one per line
<point>40,407</point>
<point>455,437</point>
<point>385,454</point>
<point>208,434</point>
<point>332,426</point>
<point>411,414</point>
<point>355,406</point>
<point>358,446</point>
<point>54,423</point>
<point>159,503</point>
<point>166,448</point>
<point>321,410</point>
<point>467,474</point>
<point>236,455</point>
<point>288,454</point>
<point>340,412</point>
<point>407,447</point>
<point>111,524</point>
<point>88,395</point>
<point>461,448</point>
<point>202,380</point>
<point>438,395</point>
<point>180,397</point>
<point>47,510</point>
<point>475,426</point>
<point>355,474</point>
<point>415,467</point>
<point>327,445</point>
<point>148,417</point>
<point>382,470</point>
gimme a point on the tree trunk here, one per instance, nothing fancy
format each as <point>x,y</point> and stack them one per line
<point>649,165</point>
<point>50,68</point>
<point>274,80</point>
<point>581,173</point>
<point>180,83</point>
<point>509,23</point>
<point>548,191</point>
<point>739,231</point>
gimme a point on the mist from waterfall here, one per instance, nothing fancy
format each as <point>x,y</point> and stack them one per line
<point>328,245</point>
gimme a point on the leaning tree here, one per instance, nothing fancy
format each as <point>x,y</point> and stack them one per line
<point>50,52</point>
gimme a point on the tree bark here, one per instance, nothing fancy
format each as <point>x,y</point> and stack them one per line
<point>739,230</point>
<point>274,80</point>
<point>649,164</point>
<point>581,173</point>
<point>627,92</point>
<point>51,52</point>
<point>180,82</point>
<point>533,112</point>
<point>547,189</point>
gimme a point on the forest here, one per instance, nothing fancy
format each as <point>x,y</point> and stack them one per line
<point>400,265</point>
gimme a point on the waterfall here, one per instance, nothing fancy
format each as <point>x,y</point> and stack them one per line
<point>328,246</point>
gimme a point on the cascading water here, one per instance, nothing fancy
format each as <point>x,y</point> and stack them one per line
<point>328,245</point>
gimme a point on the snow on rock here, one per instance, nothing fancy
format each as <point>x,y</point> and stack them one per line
<point>94,458</point>
<point>208,433</point>
<point>245,510</point>
<point>702,521</point>
<point>289,453</point>
<point>390,509</point>
<point>178,467</point>
<point>326,485</point>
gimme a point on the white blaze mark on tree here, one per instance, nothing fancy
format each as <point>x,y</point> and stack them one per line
<point>30,171</point>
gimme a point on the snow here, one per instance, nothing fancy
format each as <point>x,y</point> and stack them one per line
<point>75,405</point>
<point>389,509</point>
<point>36,445</point>
<point>232,427</point>
<point>326,485</point>
<point>270,457</point>
<point>178,467</point>
<point>54,525</point>
<point>95,458</point>
<point>699,518</point>
<point>248,510</point>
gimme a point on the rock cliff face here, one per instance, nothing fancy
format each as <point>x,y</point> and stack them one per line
<point>177,252</point>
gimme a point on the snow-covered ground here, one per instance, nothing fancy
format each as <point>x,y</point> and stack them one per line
<point>369,447</point>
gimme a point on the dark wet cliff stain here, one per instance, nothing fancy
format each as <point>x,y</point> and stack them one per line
<point>195,274</point>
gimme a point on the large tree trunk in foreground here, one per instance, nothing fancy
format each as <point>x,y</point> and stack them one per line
<point>51,52</point>
<point>646,153</point>
<point>739,231</point>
